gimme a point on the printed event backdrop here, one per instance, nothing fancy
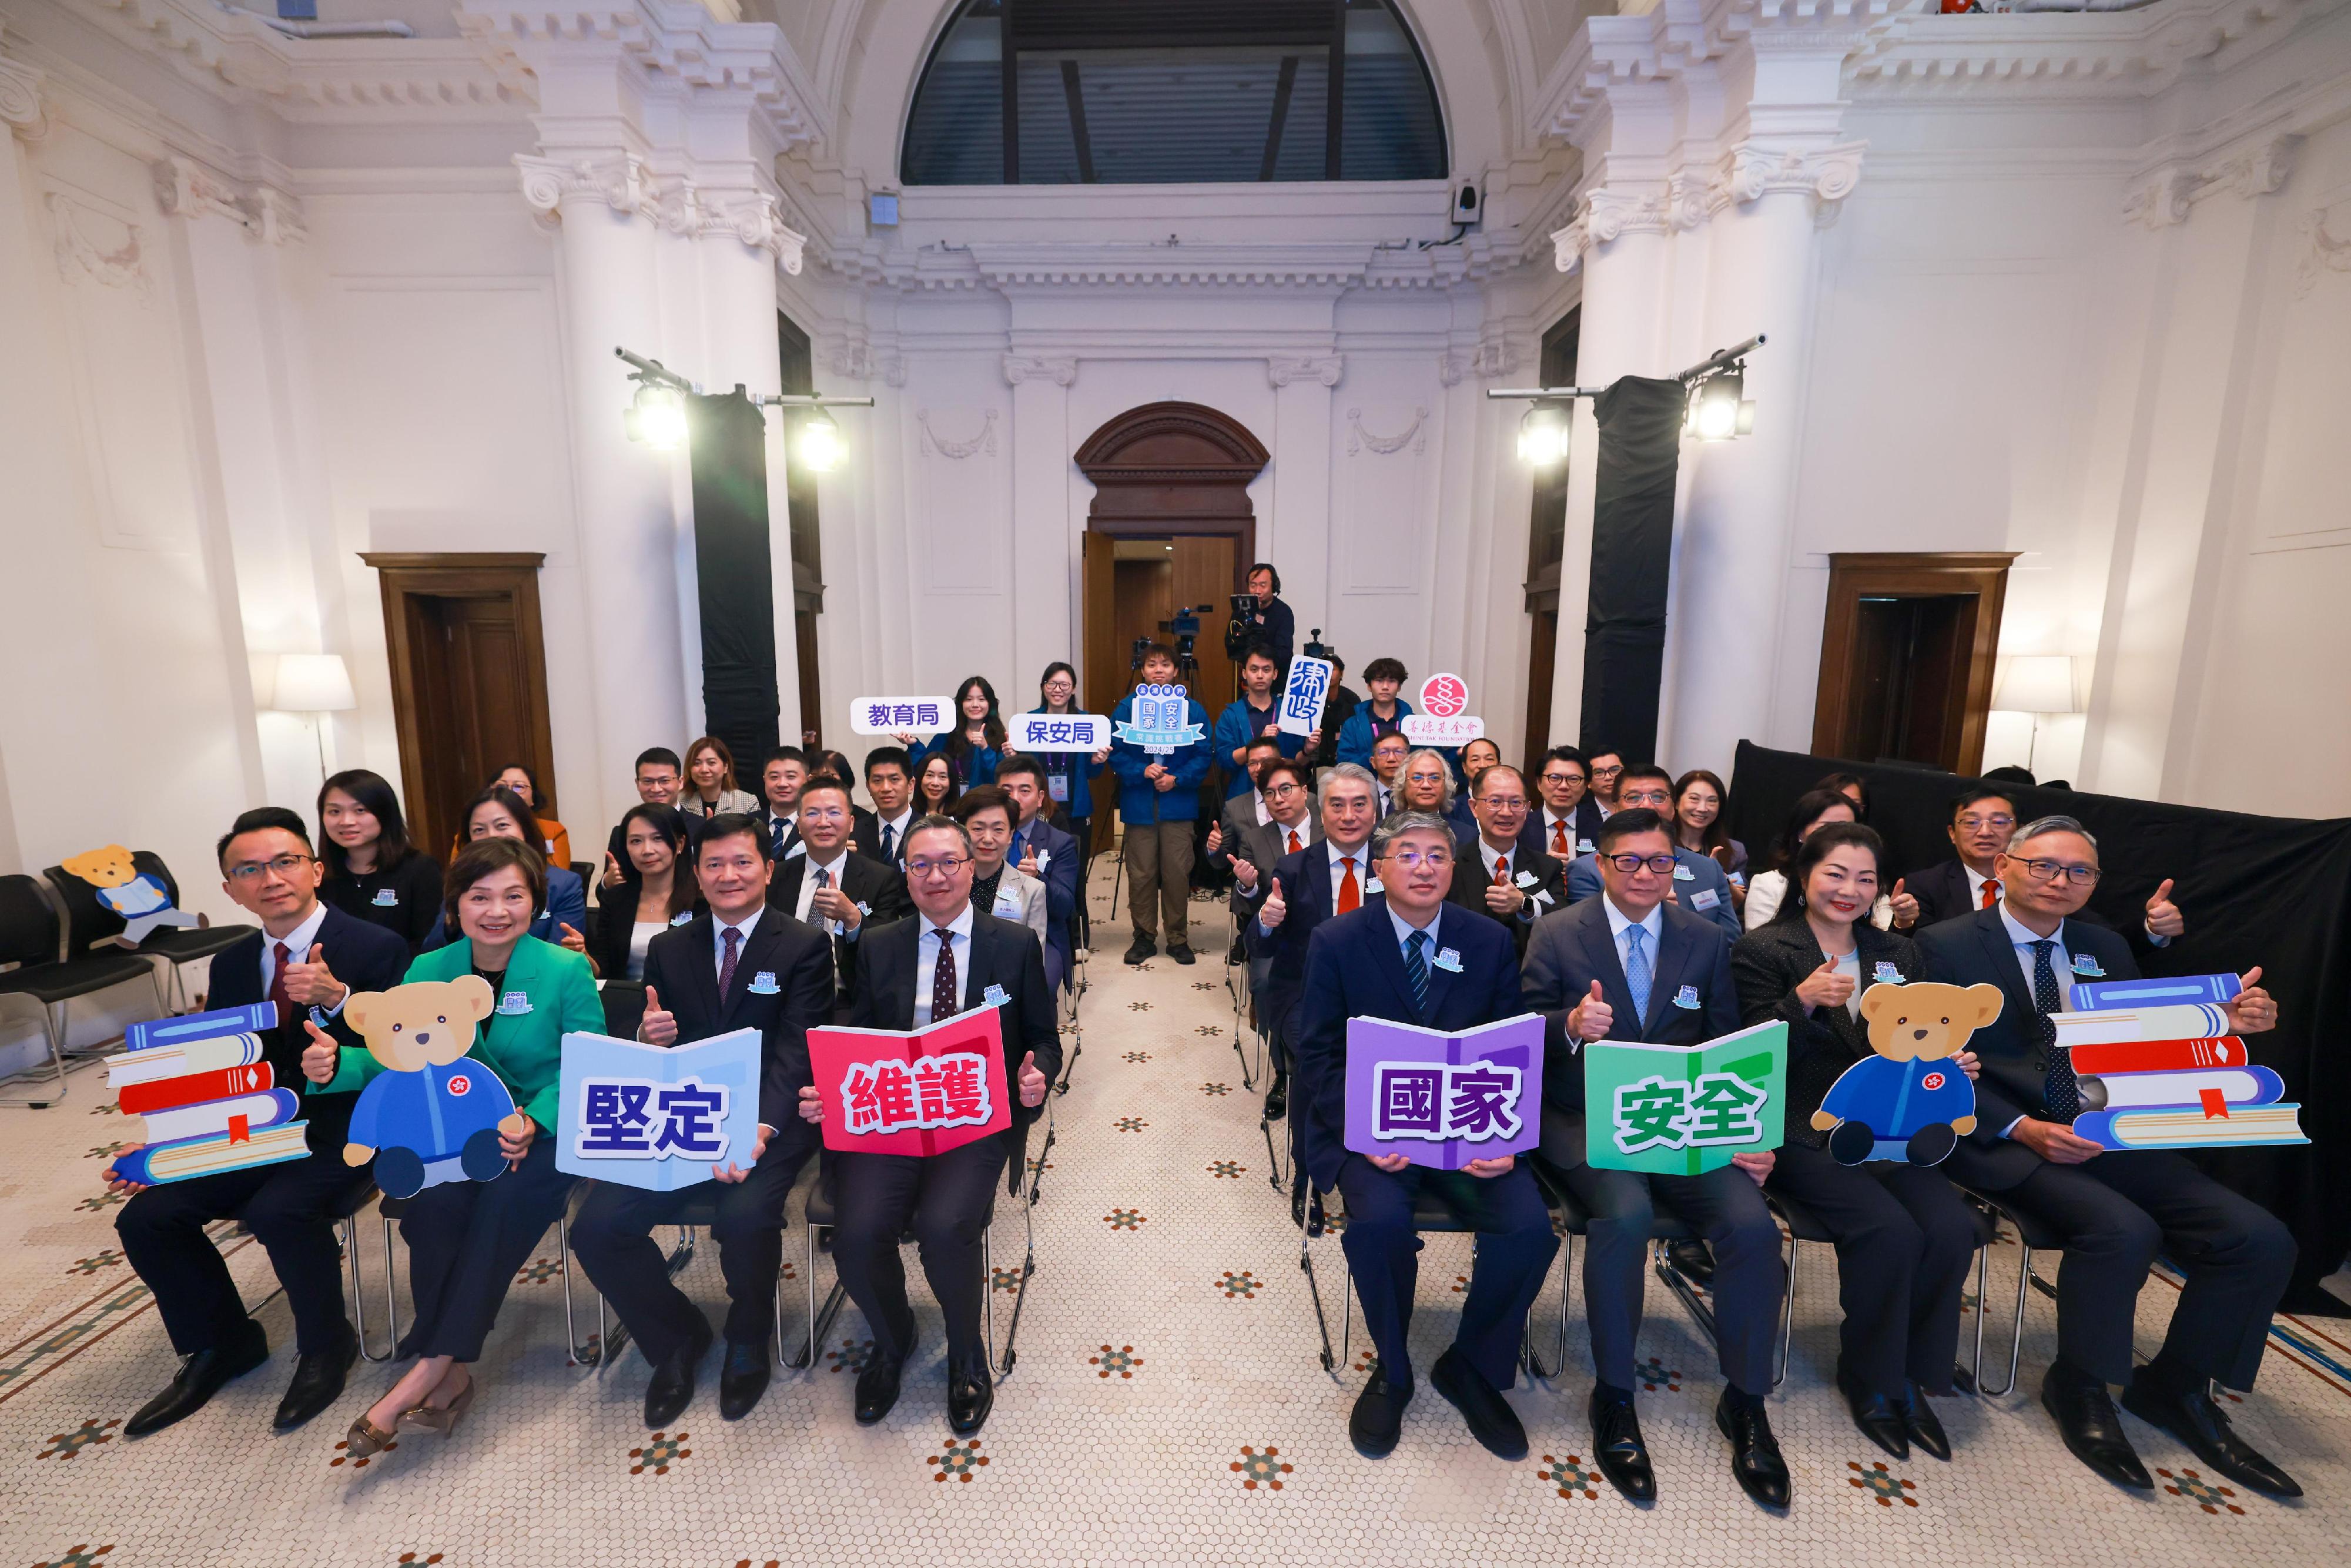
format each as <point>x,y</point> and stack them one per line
<point>2270,891</point>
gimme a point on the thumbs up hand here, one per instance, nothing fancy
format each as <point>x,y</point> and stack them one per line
<point>1592,1017</point>
<point>2163,916</point>
<point>1905,907</point>
<point>321,1056</point>
<point>572,939</point>
<point>311,984</point>
<point>1275,908</point>
<point>657,1026</point>
<point>1825,987</point>
<point>1032,1082</point>
<point>2254,1009</point>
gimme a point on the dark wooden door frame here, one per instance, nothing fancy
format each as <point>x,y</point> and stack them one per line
<point>1981,575</point>
<point>1168,468</point>
<point>406,576</point>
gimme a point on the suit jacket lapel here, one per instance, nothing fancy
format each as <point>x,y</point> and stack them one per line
<point>2001,954</point>
<point>1666,975</point>
<point>1389,954</point>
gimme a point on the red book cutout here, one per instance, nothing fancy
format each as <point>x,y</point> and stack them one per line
<point>921,1091</point>
<point>194,1089</point>
<point>2161,1055</point>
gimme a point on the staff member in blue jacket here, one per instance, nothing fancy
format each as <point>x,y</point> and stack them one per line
<point>1251,717</point>
<point>1382,712</point>
<point>1159,800</point>
<point>1068,775</point>
<point>1699,888</point>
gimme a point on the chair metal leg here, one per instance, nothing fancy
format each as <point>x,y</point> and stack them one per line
<point>820,1321</point>
<point>1313,1287</point>
<point>1535,1368</point>
<point>1019,1296</point>
<point>574,1353</point>
<point>57,1061</point>
<point>1788,1309</point>
<point>349,1228</point>
<point>806,1356</point>
<point>1679,1284</point>
<point>391,1296</point>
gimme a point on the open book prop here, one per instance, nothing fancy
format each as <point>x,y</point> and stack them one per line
<point>1910,1101</point>
<point>657,1117</point>
<point>209,1101</point>
<point>139,897</point>
<point>1683,1110</point>
<point>916,1091</point>
<point>1442,1100</point>
<point>433,1113</point>
<point>2169,1076</point>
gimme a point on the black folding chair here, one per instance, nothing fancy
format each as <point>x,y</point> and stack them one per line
<point>89,923</point>
<point>2031,1236</point>
<point>38,968</point>
<point>699,1214</point>
<point>625,1006</point>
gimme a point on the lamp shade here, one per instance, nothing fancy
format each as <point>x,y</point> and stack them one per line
<point>2036,683</point>
<point>313,683</point>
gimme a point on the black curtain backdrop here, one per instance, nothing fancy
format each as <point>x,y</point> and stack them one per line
<point>2270,891</point>
<point>1632,552</point>
<point>734,574</point>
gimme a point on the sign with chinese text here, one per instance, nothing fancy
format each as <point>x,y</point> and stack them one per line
<point>1159,720</point>
<point>1683,1110</point>
<point>1303,695</point>
<point>1057,731</point>
<point>657,1117</point>
<point>1444,718</point>
<point>889,715</point>
<point>1442,1100</point>
<point>918,1091</point>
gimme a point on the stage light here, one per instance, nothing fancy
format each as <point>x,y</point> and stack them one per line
<point>1717,411</point>
<point>1543,436</point>
<point>657,417</point>
<point>819,442</point>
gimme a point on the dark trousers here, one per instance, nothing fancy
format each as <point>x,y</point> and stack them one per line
<point>1515,1245</point>
<point>465,1241</point>
<point>945,1200</point>
<point>2117,1213</point>
<point>611,1237</point>
<point>1904,1240</point>
<point>1724,1206</point>
<point>290,1209</point>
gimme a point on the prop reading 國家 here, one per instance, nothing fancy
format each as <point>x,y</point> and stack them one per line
<point>1056,731</point>
<point>657,1117</point>
<point>208,1101</point>
<point>1441,1099</point>
<point>1683,1110</point>
<point>913,1092</point>
<point>2157,1069</point>
<point>433,1114</point>
<point>1159,720</point>
<point>1910,1100</point>
<point>888,716</point>
<point>1303,695</point>
<point>1444,719</point>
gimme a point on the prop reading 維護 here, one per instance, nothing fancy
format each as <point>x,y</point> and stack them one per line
<point>913,1092</point>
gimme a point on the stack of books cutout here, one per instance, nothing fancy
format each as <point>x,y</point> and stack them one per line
<point>2158,1068</point>
<point>209,1101</point>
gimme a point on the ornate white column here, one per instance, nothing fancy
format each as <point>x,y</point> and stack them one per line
<point>1299,537</point>
<point>1046,578</point>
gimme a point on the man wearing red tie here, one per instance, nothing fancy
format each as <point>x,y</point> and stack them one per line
<point>1256,850</point>
<point>1982,821</point>
<point>1569,818</point>
<point>1497,875</point>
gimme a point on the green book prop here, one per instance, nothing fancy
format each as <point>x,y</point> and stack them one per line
<point>1683,1110</point>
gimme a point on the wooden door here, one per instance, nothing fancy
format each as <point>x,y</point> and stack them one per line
<point>1907,652</point>
<point>1207,575</point>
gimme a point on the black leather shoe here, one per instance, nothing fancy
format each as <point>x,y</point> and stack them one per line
<point>1181,952</point>
<point>1276,1099</point>
<point>2203,1426</point>
<point>1236,954</point>
<point>1142,947</point>
<point>1919,1424</point>
<point>1492,1420</point>
<point>2086,1420</point>
<point>1377,1420</point>
<point>672,1389</point>
<point>877,1388</point>
<point>200,1377</point>
<point>318,1381</point>
<point>742,1378</point>
<point>1618,1450</point>
<point>1692,1260</point>
<point>971,1394</point>
<point>1878,1417</point>
<point>1755,1458</point>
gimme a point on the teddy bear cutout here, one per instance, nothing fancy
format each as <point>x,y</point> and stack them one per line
<point>1910,1100</point>
<point>435,1113</point>
<point>139,897</point>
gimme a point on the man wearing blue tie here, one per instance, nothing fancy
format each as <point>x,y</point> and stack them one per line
<point>1404,957</point>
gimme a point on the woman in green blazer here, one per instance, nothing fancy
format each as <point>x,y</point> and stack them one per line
<point>467,1240</point>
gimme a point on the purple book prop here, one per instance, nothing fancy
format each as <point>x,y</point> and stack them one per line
<point>1442,1100</point>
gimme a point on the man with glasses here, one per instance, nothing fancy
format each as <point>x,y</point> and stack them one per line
<point>1981,820</point>
<point>2116,1210</point>
<point>1259,848</point>
<point>911,974</point>
<point>659,777</point>
<point>1389,753</point>
<point>1568,825</point>
<point>830,886</point>
<point>1403,956</point>
<point>1696,884</point>
<point>1501,877</point>
<point>307,957</point>
<point>1607,775</point>
<point>1042,851</point>
<point>1630,966</point>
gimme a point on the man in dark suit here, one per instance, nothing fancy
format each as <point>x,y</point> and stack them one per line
<point>743,965</point>
<point>1301,892</point>
<point>1699,885</point>
<point>1568,824</point>
<point>2116,1209</point>
<point>781,779</point>
<point>1044,851</point>
<point>659,777</point>
<point>1629,966</point>
<point>911,974</point>
<point>307,957</point>
<point>1283,785</point>
<point>1497,875</point>
<point>1983,819</point>
<point>832,887</point>
<point>1405,956</point>
<point>890,780</point>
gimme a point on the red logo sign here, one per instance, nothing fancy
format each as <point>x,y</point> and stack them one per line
<point>1444,697</point>
<point>1932,1081</point>
<point>461,1084</point>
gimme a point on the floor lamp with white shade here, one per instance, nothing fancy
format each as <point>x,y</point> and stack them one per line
<point>2039,684</point>
<point>315,684</point>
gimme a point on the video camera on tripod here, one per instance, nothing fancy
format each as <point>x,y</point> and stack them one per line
<point>1181,634</point>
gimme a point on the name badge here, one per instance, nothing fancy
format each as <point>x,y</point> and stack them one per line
<point>1525,879</point>
<point>385,898</point>
<point>1006,904</point>
<point>1373,886</point>
<point>514,1004</point>
<point>1450,961</point>
<point>1738,879</point>
<point>1684,874</point>
<point>1586,847</point>
<point>798,848</point>
<point>1686,998</point>
<point>682,918</point>
<point>1705,898</point>
<point>1044,859</point>
<point>864,908</point>
<point>1057,786</point>
<point>2085,965</point>
<point>763,984</point>
<point>994,996</point>
<point>1887,974</point>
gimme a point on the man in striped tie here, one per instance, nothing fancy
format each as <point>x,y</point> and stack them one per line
<point>1326,875</point>
<point>1404,955</point>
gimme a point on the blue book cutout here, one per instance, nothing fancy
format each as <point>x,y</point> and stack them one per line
<point>2175,990</point>
<point>657,1117</point>
<point>254,1018</point>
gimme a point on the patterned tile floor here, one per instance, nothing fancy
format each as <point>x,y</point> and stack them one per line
<point>1167,1405</point>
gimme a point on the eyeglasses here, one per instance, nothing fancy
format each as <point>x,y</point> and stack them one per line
<point>1413,859</point>
<point>1653,798</point>
<point>2050,870</point>
<point>1562,778</point>
<point>284,865</point>
<point>1281,792</point>
<point>946,865</point>
<point>1628,864</point>
<point>1973,823</point>
<point>1608,772</point>
<point>1503,803</point>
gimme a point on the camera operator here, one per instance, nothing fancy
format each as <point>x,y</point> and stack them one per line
<point>1271,627</point>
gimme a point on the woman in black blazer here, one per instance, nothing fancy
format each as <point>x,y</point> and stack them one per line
<point>1903,1236</point>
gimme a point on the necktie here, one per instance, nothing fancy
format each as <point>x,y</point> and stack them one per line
<point>1559,839</point>
<point>2062,1092</point>
<point>945,995</point>
<point>1416,969</point>
<point>823,879</point>
<point>1637,969</point>
<point>1019,852</point>
<point>1294,841</point>
<point>780,828</point>
<point>889,840</point>
<point>278,992</point>
<point>734,940</point>
<point>1990,892</point>
<point>1351,891</point>
<point>1501,871</point>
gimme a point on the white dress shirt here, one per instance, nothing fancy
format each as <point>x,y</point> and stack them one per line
<point>926,961</point>
<point>897,826</point>
<point>299,942</point>
<point>1551,822</point>
<point>1405,928</point>
<point>718,930</point>
<point>1506,859</point>
<point>1340,859</point>
<point>807,901</point>
<point>2061,963</point>
<point>1976,880</point>
<point>1304,828</point>
<point>1619,922</point>
<point>1264,813</point>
